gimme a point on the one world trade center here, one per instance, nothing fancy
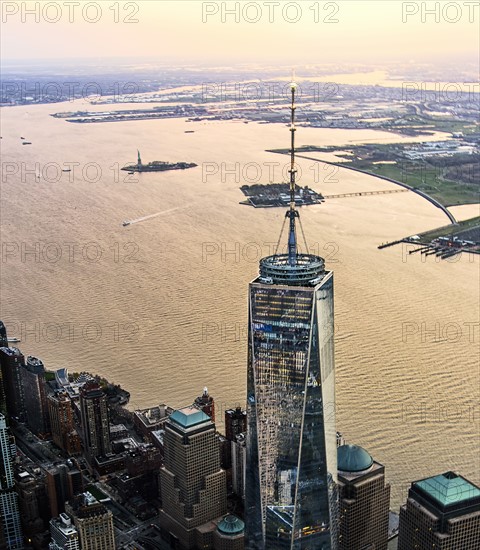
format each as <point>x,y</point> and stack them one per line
<point>291,498</point>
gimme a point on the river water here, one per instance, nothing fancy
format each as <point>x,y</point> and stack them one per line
<point>160,306</point>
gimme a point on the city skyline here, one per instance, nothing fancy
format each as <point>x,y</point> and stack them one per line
<point>146,174</point>
<point>195,451</point>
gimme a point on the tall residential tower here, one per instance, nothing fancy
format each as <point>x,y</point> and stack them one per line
<point>11,363</point>
<point>9,514</point>
<point>291,496</point>
<point>95,421</point>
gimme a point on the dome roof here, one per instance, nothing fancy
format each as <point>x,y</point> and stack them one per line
<point>231,525</point>
<point>352,458</point>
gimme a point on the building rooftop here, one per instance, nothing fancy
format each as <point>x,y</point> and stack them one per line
<point>91,390</point>
<point>153,415</point>
<point>12,351</point>
<point>34,361</point>
<point>64,524</point>
<point>61,377</point>
<point>231,525</point>
<point>448,488</point>
<point>308,270</point>
<point>352,458</point>
<point>189,417</point>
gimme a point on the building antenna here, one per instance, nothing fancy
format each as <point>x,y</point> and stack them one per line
<point>292,213</point>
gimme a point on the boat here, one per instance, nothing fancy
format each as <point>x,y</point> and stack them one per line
<point>66,170</point>
<point>13,340</point>
<point>189,131</point>
<point>21,137</point>
<point>125,223</point>
<point>26,143</point>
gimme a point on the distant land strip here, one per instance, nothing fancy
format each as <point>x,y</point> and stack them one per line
<point>450,216</point>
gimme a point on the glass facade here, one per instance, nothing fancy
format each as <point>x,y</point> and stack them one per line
<point>291,499</point>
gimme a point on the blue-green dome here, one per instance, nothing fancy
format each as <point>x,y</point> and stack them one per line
<point>231,525</point>
<point>352,458</point>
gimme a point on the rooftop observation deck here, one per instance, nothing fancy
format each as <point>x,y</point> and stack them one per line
<point>308,270</point>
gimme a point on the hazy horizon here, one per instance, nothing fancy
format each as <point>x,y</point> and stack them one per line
<point>298,33</point>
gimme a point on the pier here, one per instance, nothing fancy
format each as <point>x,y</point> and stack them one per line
<point>386,245</point>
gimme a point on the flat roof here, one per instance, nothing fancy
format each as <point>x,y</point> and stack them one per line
<point>448,488</point>
<point>11,351</point>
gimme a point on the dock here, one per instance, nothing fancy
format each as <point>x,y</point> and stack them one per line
<point>386,245</point>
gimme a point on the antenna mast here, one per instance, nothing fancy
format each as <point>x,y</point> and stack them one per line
<point>292,213</point>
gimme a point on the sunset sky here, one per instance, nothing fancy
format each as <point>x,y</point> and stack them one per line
<point>265,32</point>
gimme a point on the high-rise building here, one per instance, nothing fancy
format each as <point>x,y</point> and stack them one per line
<point>63,482</point>
<point>234,451</point>
<point>36,409</point>
<point>30,485</point>
<point>95,421</point>
<point>235,422</point>
<point>63,533</point>
<point>63,430</point>
<point>149,421</point>
<point>239,458</point>
<point>3,542</point>
<point>206,403</point>
<point>3,400</point>
<point>3,336</point>
<point>364,501</point>
<point>12,531</point>
<point>11,363</point>
<point>290,496</point>
<point>441,512</point>
<point>93,521</point>
<point>3,344</point>
<point>193,486</point>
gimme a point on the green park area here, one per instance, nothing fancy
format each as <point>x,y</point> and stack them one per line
<point>463,229</point>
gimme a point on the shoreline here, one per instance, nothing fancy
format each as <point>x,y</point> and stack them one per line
<point>444,209</point>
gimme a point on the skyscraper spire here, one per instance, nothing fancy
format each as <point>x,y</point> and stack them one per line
<point>293,268</point>
<point>292,213</point>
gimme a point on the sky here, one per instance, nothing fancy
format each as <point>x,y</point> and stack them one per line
<point>275,32</point>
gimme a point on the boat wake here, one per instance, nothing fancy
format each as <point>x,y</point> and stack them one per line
<point>150,216</point>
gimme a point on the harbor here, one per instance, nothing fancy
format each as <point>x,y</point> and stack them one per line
<point>445,242</point>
